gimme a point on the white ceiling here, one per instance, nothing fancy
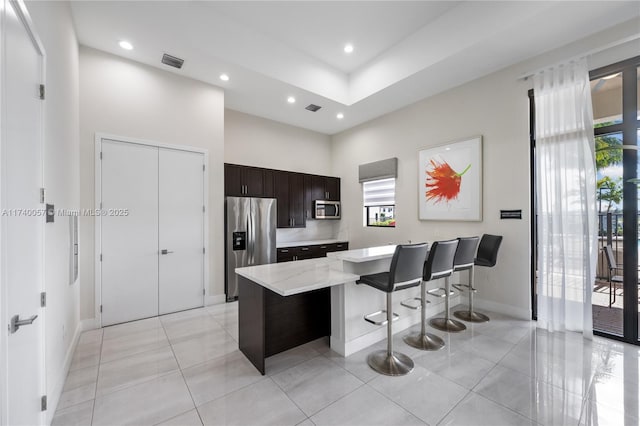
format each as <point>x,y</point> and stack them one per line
<point>404,51</point>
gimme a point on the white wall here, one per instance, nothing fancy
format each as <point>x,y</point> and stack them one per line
<point>61,174</point>
<point>495,107</point>
<point>255,141</point>
<point>126,98</point>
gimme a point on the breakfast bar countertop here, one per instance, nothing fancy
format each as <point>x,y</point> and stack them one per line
<point>364,254</point>
<point>289,278</point>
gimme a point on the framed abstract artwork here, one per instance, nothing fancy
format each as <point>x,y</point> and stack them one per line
<point>450,181</point>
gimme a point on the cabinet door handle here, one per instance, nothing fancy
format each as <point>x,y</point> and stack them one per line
<point>304,248</point>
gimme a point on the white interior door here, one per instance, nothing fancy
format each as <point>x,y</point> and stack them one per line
<point>22,226</point>
<point>181,230</point>
<point>129,249</point>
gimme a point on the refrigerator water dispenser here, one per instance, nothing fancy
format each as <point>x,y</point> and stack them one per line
<point>239,241</point>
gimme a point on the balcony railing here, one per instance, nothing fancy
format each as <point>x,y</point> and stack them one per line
<point>610,233</point>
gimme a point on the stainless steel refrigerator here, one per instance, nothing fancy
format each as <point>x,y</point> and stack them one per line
<point>250,236</point>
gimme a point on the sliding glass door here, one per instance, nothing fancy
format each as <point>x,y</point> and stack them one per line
<point>615,96</point>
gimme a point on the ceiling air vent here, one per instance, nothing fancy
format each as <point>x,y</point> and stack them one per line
<point>172,61</point>
<point>313,108</point>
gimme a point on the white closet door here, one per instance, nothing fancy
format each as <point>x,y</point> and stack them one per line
<point>181,220</point>
<point>129,243</point>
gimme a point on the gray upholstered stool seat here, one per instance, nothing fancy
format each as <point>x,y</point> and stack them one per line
<point>447,266</point>
<point>405,272</point>
<point>439,264</point>
<point>486,256</point>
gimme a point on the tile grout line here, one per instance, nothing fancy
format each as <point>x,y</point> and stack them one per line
<point>181,375</point>
<point>394,402</point>
<point>93,406</point>
<point>289,398</point>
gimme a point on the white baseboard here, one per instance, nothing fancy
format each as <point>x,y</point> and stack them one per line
<point>501,308</point>
<point>215,299</point>
<point>54,394</point>
<point>89,324</point>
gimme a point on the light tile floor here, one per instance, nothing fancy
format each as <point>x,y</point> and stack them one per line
<point>185,369</point>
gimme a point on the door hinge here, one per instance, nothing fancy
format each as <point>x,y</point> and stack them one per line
<point>202,250</point>
<point>100,308</point>
<point>42,193</point>
<point>100,257</point>
<point>42,91</point>
<point>100,205</point>
<point>43,299</point>
<point>202,209</point>
<point>203,167</point>
<point>203,293</point>
<point>43,403</point>
<point>101,155</point>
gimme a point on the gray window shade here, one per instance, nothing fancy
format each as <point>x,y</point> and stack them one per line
<point>379,192</point>
<point>383,169</point>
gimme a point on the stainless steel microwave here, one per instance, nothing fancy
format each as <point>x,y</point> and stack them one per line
<point>324,209</point>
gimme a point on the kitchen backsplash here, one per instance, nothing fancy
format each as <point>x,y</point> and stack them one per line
<point>315,230</point>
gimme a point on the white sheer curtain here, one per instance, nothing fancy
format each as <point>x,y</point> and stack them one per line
<point>566,197</point>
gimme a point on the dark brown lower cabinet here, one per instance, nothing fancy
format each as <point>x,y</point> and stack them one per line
<point>270,323</point>
<point>287,254</point>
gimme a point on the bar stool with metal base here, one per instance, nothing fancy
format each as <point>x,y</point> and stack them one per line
<point>487,257</point>
<point>438,265</point>
<point>446,323</point>
<point>464,261</point>
<point>405,272</point>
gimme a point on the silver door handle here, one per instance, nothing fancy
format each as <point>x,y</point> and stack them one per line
<point>16,322</point>
<point>165,251</point>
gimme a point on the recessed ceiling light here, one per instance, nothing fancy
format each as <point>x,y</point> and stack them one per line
<point>609,77</point>
<point>224,77</point>
<point>291,100</point>
<point>340,116</point>
<point>348,48</point>
<point>125,45</point>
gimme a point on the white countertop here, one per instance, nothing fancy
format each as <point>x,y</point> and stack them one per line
<point>364,255</point>
<point>296,277</point>
<point>307,243</point>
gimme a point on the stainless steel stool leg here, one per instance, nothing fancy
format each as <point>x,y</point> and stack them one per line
<point>446,323</point>
<point>470,315</point>
<point>423,340</point>
<point>386,361</point>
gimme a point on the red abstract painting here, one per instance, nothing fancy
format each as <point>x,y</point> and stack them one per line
<point>443,183</point>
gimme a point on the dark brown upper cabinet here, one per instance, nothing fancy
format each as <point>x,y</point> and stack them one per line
<point>289,192</point>
<point>244,181</point>
<point>332,187</point>
<point>295,192</point>
<point>319,188</point>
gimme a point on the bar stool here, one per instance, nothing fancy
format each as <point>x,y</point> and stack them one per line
<point>438,265</point>
<point>487,257</point>
<point>464,261</point>
<point>405,272</point>
<point>446,323</point>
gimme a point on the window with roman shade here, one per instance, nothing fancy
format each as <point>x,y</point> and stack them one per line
<point>379,192</point>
